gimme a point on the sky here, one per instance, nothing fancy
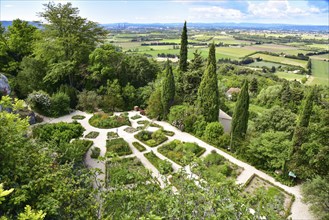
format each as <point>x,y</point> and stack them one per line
<point>312,12</point>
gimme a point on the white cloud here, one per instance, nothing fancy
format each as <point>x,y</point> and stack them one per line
<point>278,9</point>
<point>216,12</point>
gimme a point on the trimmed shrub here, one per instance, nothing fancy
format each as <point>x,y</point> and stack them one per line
<point>39,102</point>
<point>60,104</point>
<point>95,152</point>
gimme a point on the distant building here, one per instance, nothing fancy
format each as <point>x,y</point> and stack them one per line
<point>231,91</point>
<point>225,120</point>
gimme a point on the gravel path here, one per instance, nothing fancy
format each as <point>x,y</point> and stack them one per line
<point>299,210</point>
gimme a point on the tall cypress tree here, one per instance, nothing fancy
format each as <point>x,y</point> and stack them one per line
<point>183,50</point>
<point>307,109</point>
<point>286,94</point>
<point>254,86</point>
<point>240,115</point>
<point>208,100</point>
<point>168,90</point>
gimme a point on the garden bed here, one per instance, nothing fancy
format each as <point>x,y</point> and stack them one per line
<point>112,134</point>
<point>181,153</point>
<point>92,135</point>
<point>95,152</point>
<point>151,139</point>
<point>103,120</point>
<point>136,117</point>
<point>78,117</point>
<point>125,171</point>
<point>169,133</point>
<point>139,146</point>
<point>118,146</point>
<point>164,166</point>
<point>130,130</point>
<point>215,167</point>
<point>283,200</point>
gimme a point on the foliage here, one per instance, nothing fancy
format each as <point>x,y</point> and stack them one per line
<point>78,117</point>
<point>315,192</point>
<point>213,132</point>
<point>269,96</point>
<point>60,104</point>
<point>73,152</point>
<point>136,117</point>
<point>307,109</point>
<point>118,146</point>
<point>102,120</point>
<point>154,108</point>
<point>183,50</point>
<point>112,134</point>
<point>125,171</point>
<point>164,166</point>
<point>169,133</point>
<point>254,86</point>
<point>59,132</point>
<point>113,99</point>
<point>139,146</point>
<point>240,116</point>
<point>182,153</point>
<point>39,101</point>
<point>215,167</point>
<point>30,214</point>
<point>70,92</point>
<point>92,134</point>
<point>88,100</point>
<point>208,101</point>
<point>269,151</point>
<point>168,90</point>
<point>95,152</point>
<point>276,119</point>
<point>151,139</point>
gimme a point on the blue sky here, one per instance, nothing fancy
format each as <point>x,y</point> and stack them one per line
<point>314,12</point>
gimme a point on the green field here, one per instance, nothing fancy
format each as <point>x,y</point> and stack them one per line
<point>290,76</point>
<point>265,63</point>
<point>321,57</point>
<point>280,59</point>
<point>319,46</point>
<point>320,72</point>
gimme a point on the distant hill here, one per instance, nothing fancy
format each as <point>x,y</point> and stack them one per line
<point>8,23</point>
<point>250,26</point>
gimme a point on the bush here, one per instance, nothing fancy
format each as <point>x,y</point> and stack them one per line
<point>59,132</point>
<point>60,104</point>
<point>118,146</point>
<point>88,100</point>
<point>73,151</point>
<point>169,133</point>
<point>224,141</point>
<point>111,135</point>
<point>136,117</point>
<point>39,102</point>
<point>139,146</point>
<point>95,152</point>
<point>213,132</point>
<point>70,92</point>
<point>92,134</point>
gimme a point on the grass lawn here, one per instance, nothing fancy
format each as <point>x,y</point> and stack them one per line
<point>215,167</point>
<point>118,146</point>
<point>182,153</point>
<point>282,60</point>
<point>320,57</point>
<point>320,72</point>
<point>125,171</point>
<point>163,166</point>
<point>289,76</point>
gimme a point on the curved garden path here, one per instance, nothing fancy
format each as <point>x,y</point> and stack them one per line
<point>299,210</point>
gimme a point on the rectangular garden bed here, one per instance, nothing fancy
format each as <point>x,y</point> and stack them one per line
<point>164,166</point>
<point>118,146</point>
<point>151,139</point>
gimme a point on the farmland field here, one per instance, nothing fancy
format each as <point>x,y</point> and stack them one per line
<point>320,72</point>
<point>276,48</point>
<point>290,76</point>
<point>282,60</point>
<point>320,57</point>
<point>265,63</point>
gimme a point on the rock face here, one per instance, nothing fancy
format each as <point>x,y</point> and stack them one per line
<point>4,85</point>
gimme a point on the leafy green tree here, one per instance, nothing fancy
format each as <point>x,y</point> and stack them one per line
<point>286,94</point>
<point>67,41</point>
<point>15,44</point>
<point>268,96</point>
<point>129,96</point>
<point>315,192</point>
<point>240,116</point>
<point>254,86</point>
<point>168,90</point>
<point>113,98</point>
<point>183,50</point>
<point>60,104</point>
<point>155,107</point>
<point>309,65</point>
<point>208,100</point>
<point>269,150</point>
<point>213,132</point>
<point>197,61</point>
<point>307,108</point>
<point>88,100</point>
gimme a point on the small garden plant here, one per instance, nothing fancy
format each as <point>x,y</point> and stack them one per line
<point>78,117</point>
<point>136,117</point>
<point>182,153</point>
<point>151,139</point>
<point>118,146</point>
<point>164,166</point>
<point>130,130</point>
<point>169,133</point>
<point>95,152</point>
<point>92,134</point>
<point>139,146</point>
<point>125,171</point>
<point>103,120</point>
<point>112,134</point>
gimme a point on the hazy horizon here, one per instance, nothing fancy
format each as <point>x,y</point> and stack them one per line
<point>292,12</point>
